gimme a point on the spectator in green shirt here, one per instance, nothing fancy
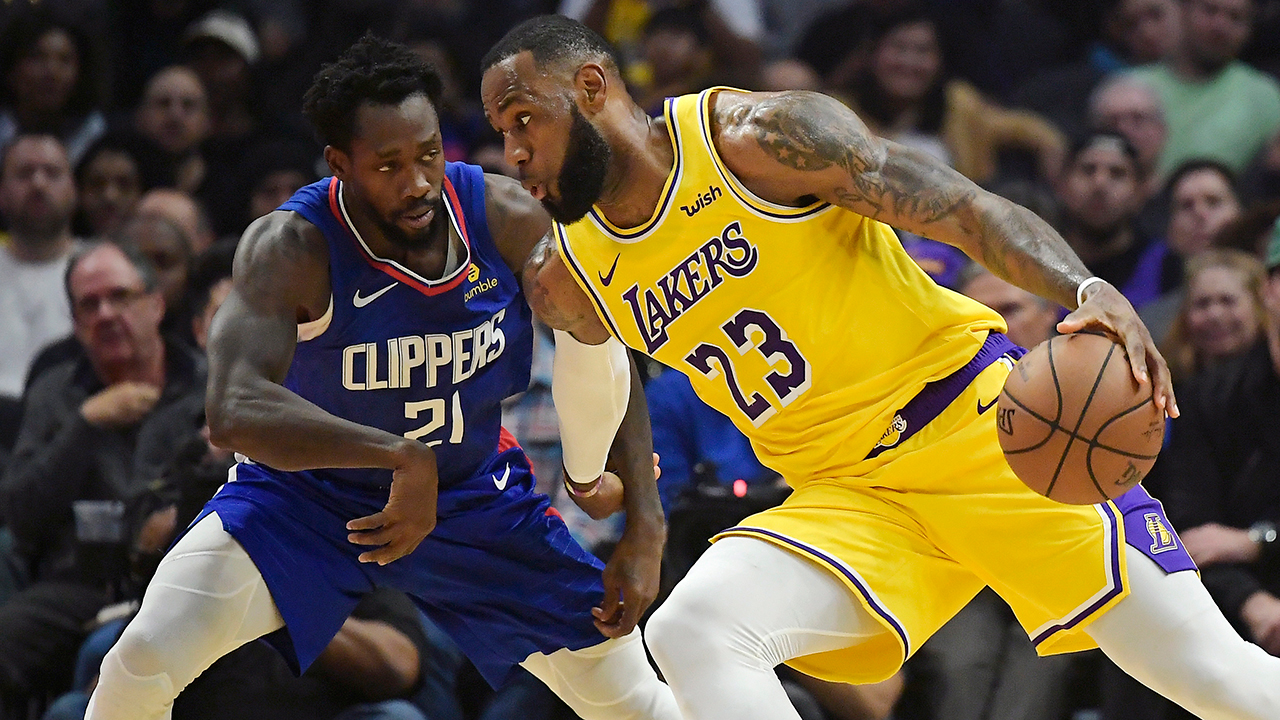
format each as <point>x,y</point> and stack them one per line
<point>1215,105</point>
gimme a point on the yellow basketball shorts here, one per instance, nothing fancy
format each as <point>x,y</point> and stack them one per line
<point>919,530</point>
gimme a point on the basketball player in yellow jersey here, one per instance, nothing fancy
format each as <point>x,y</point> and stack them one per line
<point>743,239</point>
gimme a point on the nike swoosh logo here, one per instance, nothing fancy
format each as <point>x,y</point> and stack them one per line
<point>606,279</point>
<point>502,484</point>
<point>983,408</point>
<point>362,301</point>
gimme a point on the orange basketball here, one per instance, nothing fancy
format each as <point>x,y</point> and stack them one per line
<point>1074,424</point>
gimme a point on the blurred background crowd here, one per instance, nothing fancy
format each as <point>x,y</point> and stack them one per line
<point>140,137</point>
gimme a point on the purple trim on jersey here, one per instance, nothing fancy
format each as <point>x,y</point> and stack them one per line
<point>938,395</point>
<point>852,577</point>
<point>1117,582</point>
<point>1148,530</point>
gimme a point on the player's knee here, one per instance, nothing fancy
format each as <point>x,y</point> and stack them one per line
<point>683,629</point>
<point>137,654</point>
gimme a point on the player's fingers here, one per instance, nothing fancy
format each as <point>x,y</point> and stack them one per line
<point>610,606</point>
<point>629,617</point>
<point>1136,349</point>
<point>378,537</point>
<point>384,554</point>
<point>368,522</point>
<point>1162,382</point>
<point>1078,320</point>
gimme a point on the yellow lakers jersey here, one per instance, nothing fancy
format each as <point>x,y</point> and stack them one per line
<point>808,326</point>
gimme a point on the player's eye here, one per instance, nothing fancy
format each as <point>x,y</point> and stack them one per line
<point>524,119</point>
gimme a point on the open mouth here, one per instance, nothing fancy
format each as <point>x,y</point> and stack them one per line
<point>537,190</point>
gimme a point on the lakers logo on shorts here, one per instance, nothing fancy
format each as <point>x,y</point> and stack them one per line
<point>1162,539</point>
<point>893,435</point>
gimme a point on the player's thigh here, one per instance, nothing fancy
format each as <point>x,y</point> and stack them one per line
<point>751,597</point>
<point>871,544</point>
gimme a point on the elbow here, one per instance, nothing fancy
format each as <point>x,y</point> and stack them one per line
<point>983,217</point>
<point>224,415</point>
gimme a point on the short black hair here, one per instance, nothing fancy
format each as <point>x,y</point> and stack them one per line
<point>552,39</point>
<point>1198,164</point>
<point>373,70</point>
<point>150,280</point>
<point>1095,137</point>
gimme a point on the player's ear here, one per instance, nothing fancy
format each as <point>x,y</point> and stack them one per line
<point>339,161</point>
<point>592,85</point>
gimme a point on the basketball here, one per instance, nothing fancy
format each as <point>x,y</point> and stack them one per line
<point>1073,422</point>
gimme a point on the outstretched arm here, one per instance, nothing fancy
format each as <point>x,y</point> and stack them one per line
<point>631,576</point>
<point>281,278</point>
<point>793,146</point>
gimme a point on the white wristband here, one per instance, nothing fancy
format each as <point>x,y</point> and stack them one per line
<point>1085,286</point>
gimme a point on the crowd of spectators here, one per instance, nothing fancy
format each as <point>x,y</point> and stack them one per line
<point>139,139</point>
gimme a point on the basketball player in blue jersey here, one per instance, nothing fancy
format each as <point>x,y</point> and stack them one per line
<point>357,369</point>
<point>744,239</point>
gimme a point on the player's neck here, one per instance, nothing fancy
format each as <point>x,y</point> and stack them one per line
<point>641,163</point>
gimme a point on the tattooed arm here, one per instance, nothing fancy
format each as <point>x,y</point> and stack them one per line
<point>793,147</point>
<point>785,146</point>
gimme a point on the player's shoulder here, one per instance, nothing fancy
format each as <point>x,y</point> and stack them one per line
<point>516,221</point>
<point>282,237</point>
<point>736,111</point>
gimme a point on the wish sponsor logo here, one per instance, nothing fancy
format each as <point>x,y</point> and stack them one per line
<point>712,194</point>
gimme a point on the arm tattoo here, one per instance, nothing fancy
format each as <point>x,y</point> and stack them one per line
<point>812,132</point>
<point>908,189</point>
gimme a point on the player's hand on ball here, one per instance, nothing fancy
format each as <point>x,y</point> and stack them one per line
<point>1106,310</point>
<point>410,513</point>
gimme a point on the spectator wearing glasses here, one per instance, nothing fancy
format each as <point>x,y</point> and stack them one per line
<point>76,443</point>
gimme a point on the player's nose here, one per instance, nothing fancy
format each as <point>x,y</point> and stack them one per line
<point>516,152</point>
<point>419,183</point>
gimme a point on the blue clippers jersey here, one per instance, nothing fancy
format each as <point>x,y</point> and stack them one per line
<point>427,359</point>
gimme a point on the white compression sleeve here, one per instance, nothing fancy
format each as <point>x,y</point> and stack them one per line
<point>207,598</point>
<point>590,385</point>
<point>1171,636</point>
